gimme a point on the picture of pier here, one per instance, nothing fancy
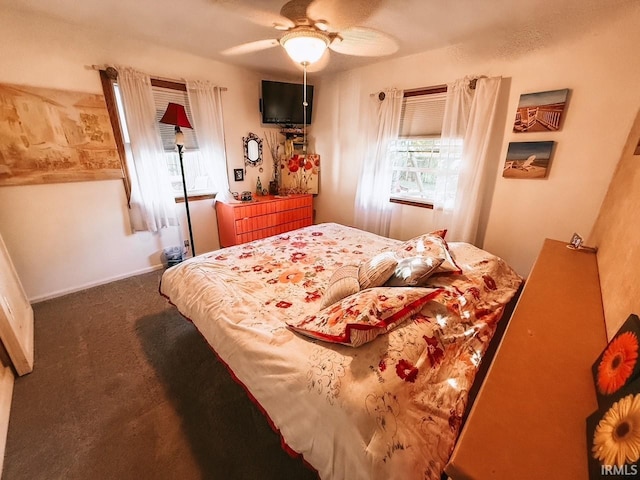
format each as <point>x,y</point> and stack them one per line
<point>540,112</point>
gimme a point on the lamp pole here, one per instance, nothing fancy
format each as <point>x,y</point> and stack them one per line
<point>180,145</point>
<point>176,115</point>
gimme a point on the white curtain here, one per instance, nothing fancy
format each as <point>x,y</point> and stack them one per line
<point>152,200</point>
<point>466,131</point>
<point>372,208</point>
<point>206,107</point>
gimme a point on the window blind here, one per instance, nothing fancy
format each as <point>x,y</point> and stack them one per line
<point>162,97</point>
<point>422,115</point>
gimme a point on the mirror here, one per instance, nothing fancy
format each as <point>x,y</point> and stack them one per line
<point>252,150</point>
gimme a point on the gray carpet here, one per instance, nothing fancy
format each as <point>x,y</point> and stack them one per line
<point>125,388</point>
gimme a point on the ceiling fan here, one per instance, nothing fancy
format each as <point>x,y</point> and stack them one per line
<point>310,27</point>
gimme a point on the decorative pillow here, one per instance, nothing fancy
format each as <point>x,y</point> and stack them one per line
<point>343,282</point>
<point>414,271</point>
<point>377,270</point>
<point>440,233</point>
<point>430,245</point>
<point>361,317</point>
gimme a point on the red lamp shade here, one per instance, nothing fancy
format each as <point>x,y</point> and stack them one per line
<point>175,115</point>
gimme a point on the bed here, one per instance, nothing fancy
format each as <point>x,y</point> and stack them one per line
<point>372,386</point>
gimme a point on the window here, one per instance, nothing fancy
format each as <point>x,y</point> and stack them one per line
<point>422,169</point>
<point>198,182</point>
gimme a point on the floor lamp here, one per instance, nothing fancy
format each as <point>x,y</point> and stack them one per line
<point>175,115</point>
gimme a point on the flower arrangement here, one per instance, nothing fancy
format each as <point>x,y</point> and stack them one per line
<point>300,173</point>
<point>274,147</point>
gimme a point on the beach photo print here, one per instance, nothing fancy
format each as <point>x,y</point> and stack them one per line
<point>541,111</point>
<point>527,160</point>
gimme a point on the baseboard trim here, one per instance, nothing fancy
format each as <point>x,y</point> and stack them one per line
<point>6,393</point>
<point>60,293</point>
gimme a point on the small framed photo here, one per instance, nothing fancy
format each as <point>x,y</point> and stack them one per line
<point>238,174</point>
<point>576,241</point>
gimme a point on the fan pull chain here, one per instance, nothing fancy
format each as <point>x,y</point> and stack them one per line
<point>304,113</point>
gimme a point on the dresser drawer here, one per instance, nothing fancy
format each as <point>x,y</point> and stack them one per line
<point>259,222</point>
<point>241,223</point>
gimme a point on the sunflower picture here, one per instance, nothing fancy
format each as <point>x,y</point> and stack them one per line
<point>618,364</point>
<point>616,439</point>
<point>613,435</point>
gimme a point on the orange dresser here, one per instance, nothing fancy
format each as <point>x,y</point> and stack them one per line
<point>263,217</point>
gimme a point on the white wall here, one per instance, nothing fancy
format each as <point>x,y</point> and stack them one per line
<point>599,65</point>
<point>64,237</point>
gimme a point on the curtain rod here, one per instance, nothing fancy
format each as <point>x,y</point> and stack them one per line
<point>434,89</point>
<point>104,67</point>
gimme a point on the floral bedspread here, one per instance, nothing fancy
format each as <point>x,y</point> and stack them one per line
<point>389,409</point>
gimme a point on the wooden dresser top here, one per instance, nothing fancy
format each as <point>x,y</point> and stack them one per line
<point>528,421</point>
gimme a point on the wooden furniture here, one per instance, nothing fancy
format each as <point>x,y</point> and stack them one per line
<point>16,338</point>
<point>528,421</point>
<point>263,217</point>
<point>16,316</point>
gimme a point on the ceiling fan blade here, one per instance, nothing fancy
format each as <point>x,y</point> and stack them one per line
<point>364,42</point>
<point>340,15</point>
<point>251,47</point>
<point>296,11</point>
<point>263,13</point>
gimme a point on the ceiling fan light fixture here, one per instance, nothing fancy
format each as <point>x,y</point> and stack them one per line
<point>305,45</point>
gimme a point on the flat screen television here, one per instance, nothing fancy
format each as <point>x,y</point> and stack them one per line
<point>282,103</point>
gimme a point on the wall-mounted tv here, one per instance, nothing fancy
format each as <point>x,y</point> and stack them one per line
<point>282,103</point>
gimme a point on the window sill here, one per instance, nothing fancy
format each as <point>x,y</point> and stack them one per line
<point>208,196</point>
<point>411,203</point>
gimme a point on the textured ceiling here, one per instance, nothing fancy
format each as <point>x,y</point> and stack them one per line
<point>493,28</point>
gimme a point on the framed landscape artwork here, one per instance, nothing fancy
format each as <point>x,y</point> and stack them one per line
<point>527,160</point>
<point>540,112</point>
<point>53,136</point>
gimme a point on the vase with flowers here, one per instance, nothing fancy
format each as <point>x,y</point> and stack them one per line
<point>274,150</point>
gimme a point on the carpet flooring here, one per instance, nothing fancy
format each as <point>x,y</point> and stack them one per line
<point>125,388</point>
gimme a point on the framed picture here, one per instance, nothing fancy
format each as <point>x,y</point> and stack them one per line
<point>540,112</point>
<point>300,173</point>
<point>618,364</point>
<point>527,159</point>
<point>238,174</point>
<point>613,436</point>
<point>55,136</point>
